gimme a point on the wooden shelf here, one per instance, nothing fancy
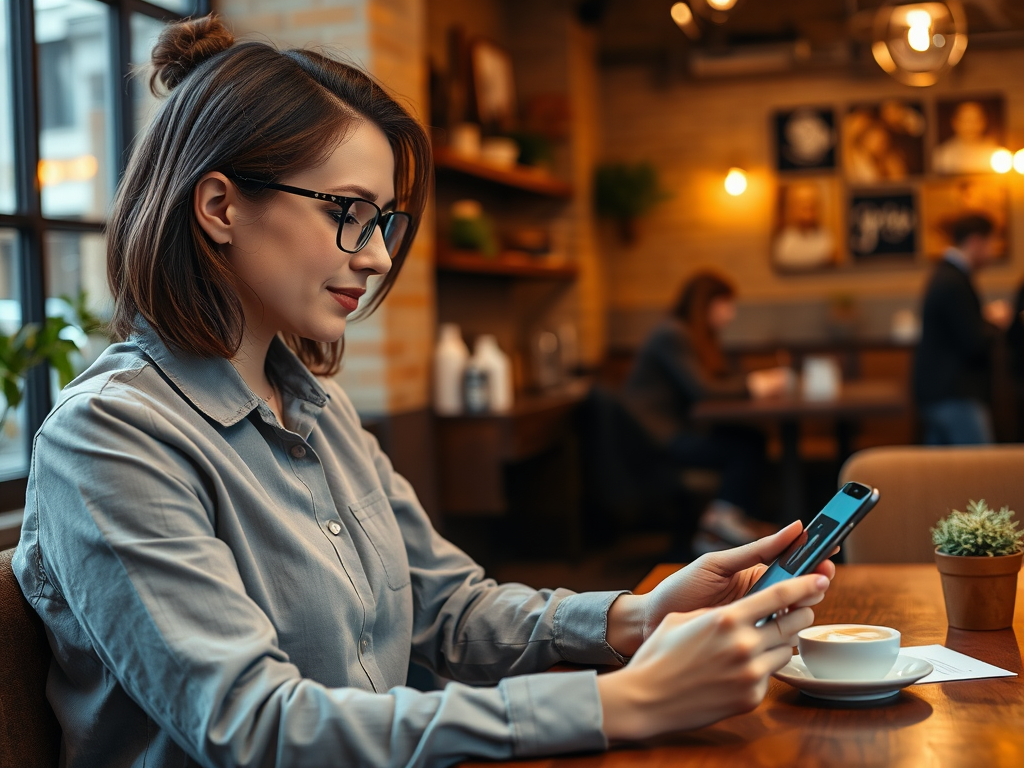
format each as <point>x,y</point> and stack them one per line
<point>520,177</point>
<point>508,264</point>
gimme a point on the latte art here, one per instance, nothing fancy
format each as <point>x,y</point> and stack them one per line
<point>852,635</point>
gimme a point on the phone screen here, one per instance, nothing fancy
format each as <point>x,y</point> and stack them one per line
<point>819,538</point>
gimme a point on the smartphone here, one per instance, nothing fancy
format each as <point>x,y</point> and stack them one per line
<point>827,530</point>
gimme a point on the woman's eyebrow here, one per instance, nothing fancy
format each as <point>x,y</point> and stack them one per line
<point>354,190</point>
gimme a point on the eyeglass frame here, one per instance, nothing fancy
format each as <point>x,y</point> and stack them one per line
<point>381,220</point>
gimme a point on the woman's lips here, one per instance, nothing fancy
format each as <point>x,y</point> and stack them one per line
<point>347,297</point>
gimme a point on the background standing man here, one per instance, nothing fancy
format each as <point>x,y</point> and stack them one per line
<point>953,364</point>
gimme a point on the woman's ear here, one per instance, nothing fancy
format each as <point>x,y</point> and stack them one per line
<point>215,204</point>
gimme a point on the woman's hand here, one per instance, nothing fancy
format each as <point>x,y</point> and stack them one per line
<point>714,579</point>
<point>699,667</point>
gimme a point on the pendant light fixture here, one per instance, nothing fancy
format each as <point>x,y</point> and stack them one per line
<point>916,42</point>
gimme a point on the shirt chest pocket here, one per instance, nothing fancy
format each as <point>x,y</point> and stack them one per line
<point>377,520</point>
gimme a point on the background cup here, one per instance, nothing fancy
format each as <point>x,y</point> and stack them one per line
<point>848,659</point>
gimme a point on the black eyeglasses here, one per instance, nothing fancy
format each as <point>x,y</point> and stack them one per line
<point>357,219</point>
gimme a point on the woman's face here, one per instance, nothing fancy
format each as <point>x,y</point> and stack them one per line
<point>721,312</point>
<point>291,275</point>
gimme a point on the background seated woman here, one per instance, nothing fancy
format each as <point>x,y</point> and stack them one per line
<point>681,363</point>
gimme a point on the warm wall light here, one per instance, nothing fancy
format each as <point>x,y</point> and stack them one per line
<point>736,181</point>
<point>683,17</point>
<point>916,42</point>
<point>681,14</point>
<point>721,5</point>
<point>1002,161</point>
<point>1018,161</point>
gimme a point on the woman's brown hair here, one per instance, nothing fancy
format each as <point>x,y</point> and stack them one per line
<point>252,111</point>
<point>693,308</point>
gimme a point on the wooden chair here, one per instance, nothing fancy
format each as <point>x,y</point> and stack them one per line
<point>29,732</point>
<point>918,486</point>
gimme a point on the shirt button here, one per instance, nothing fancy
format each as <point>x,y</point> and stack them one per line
<point>298,451</point>
<point>364,644</point>
<point>334,528</point>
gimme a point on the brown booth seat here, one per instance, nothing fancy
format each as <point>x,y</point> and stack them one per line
<point>919,485</point>
<point>29,732</point>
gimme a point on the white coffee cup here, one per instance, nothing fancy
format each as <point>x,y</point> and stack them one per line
<point>849,651</point>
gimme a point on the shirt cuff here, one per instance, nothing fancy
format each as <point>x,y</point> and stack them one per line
<point>554,712</point>
<point>581,628</point>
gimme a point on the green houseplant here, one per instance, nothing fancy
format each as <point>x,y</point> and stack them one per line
<point>49,342</point>
<point>625,192</point>
<point>978,554</point>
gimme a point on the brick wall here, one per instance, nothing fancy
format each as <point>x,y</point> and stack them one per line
<point>695,131</point>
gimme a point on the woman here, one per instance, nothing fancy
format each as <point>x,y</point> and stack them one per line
<point>682,363</point>
<point>230,571</point>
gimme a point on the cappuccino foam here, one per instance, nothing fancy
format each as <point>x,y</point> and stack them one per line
<point>852,634</point>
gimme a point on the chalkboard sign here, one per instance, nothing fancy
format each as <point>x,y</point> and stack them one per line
<point>882,225</point>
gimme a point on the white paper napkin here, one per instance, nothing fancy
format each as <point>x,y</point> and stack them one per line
<point>952,665</point>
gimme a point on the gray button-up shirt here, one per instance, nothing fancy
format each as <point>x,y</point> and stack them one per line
<point>221,590</point>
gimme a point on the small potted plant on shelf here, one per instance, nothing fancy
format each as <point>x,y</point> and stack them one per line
<point>625,192</point>
<point>978,553</point>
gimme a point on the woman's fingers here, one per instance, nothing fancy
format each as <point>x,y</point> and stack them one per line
<point>782,595</point>
<point>756,552</point>
<point>787,626</point>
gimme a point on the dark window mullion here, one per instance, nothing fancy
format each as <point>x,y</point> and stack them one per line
<point>31,254</point>
<point>120,87</point>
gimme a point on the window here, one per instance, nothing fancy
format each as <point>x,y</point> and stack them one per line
<point>69,111</point>
<point>6,119</point>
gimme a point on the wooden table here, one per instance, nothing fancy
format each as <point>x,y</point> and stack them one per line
<point>963,724</point>
<point>856,400</point>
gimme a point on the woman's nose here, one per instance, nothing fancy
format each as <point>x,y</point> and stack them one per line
<point>373,257</point>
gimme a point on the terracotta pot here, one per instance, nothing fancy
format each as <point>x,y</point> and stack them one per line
<point>979,591</point>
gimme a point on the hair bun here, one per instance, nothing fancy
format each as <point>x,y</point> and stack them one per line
<point>185,45</point>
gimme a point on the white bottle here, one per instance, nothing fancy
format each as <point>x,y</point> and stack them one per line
<point>487,356</point>
<point>450,357</point>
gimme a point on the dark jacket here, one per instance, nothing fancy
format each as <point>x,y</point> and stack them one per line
<point>954,356</point>
<point>1015,340</point>
<point>668,379</point>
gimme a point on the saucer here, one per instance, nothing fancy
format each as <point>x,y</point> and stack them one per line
<point>905,671</point>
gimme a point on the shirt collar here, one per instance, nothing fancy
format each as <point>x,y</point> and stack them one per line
<point>213,385</point>
<point>958,259</point>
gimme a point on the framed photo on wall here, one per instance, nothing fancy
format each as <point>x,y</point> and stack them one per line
<point>883,141</point>
<point>805,139</point>
<point>807,230</point>
<point>494,88</point>
<point>968,130</point>
<point>945,200</point>
<point>882,225</point>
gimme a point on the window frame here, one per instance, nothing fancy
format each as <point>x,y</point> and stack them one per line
<point>28,220</point>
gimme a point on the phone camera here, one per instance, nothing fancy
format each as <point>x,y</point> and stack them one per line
<point>857,491</point>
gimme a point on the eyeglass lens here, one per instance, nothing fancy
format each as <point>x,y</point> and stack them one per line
<point>359,222</point>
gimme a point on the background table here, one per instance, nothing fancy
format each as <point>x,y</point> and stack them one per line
<point>856,400</point>
<point>963,724</point>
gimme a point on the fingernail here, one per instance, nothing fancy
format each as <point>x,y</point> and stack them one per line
<point>821,582</point>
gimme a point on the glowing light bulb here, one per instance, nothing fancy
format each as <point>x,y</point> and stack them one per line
<point>721,5</point>
<point>919,38</point>
<point>1002,161</point>
<point>681,14</point>
<point>736,182</point>
<point>919,34</point>
<point>1018,161</point>
<point>919,18</point>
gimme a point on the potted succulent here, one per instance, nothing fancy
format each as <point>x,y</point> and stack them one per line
<point>978,553</point>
